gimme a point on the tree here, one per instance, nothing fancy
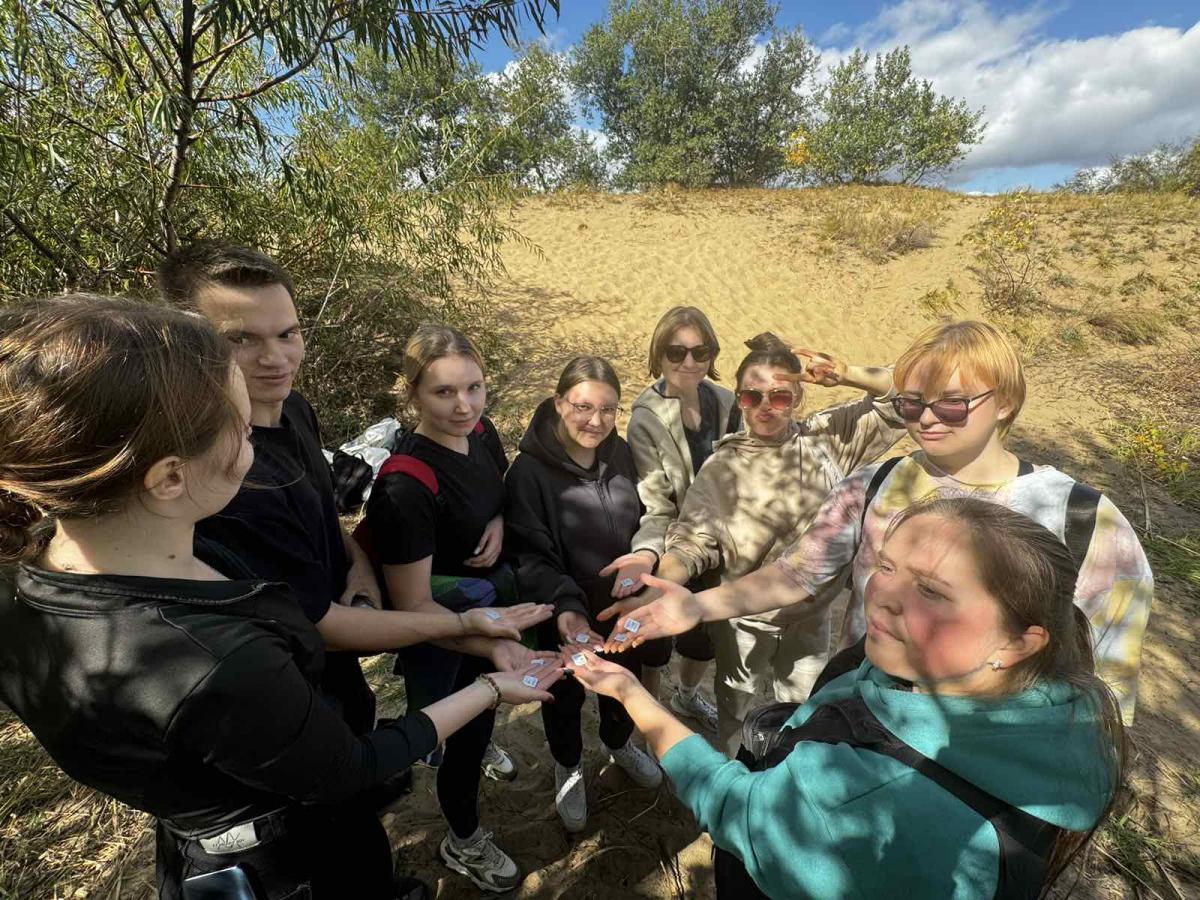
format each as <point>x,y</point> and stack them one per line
<point>545,149</point>
<point>682,94</point>
<point>109,105</point>
<point>1168,167</point>
<point>868,127</point>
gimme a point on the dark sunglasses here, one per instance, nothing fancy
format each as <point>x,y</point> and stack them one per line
<point>949,411</point>
<point>677,353</point>
<point>778,398</point>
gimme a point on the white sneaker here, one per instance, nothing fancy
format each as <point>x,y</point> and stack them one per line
<point>482,861</point>
<point>637,765</point>
<point>498,765</point>
<point>570,797</point>
<point>695,706</point>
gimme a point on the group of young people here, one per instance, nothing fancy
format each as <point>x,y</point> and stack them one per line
<point>182,624</point>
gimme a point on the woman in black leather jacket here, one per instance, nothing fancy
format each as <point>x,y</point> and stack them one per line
<point>151,668</point>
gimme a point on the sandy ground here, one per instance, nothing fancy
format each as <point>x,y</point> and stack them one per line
<point>603,271</point>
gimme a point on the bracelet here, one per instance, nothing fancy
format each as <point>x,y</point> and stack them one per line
<point>491,682</point>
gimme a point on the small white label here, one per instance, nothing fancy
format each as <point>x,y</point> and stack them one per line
<point>538,662</point>
<point>236,839</point>
<point>530,681</point>
<point>492,614</point>
<point>632,625</point>
<point>581,638</point>
<point>579,659</point>
<point>621,638</point>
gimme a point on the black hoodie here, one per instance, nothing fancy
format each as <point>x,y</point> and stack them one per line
<point>565,523</point>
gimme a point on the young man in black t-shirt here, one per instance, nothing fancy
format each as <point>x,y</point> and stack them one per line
<point>283,522</point>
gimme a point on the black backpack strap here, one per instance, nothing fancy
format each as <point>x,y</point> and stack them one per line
<point>1024,467</point>
<point>876,483</point>
<point>1082,505</point>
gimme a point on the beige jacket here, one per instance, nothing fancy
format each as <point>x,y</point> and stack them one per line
<point>663,459</point>
<point>752,500</point>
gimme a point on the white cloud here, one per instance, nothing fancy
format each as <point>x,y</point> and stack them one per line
<point>1047,101</point>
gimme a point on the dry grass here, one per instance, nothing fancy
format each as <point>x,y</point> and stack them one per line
<point>881,223</point>
<point>1134,326</point>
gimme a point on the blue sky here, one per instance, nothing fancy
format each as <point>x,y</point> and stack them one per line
<point>1063,85</point>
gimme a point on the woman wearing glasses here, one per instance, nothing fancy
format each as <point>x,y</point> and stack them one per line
<point>961,387</point>
<point>572,505</point>
<point>756,495</point>
<point>672,428</point>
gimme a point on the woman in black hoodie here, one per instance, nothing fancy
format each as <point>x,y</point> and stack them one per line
<point>572,506</point>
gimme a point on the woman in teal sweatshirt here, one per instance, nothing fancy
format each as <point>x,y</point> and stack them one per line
<point>978,659</point>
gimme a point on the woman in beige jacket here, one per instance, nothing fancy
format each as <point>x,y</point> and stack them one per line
<point>672,429</point>
<point>755,496</point>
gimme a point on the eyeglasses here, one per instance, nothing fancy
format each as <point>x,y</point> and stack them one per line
<point>677,353</point>
<point>586,410</point>
<point>778,398</point>
<point>949,411</point>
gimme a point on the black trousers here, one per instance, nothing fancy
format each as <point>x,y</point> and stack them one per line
<point>563,719</point>
<point>325,854</point>
<point>432,673</point>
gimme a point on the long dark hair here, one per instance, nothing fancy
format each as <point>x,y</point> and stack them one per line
<point>94,391</point>
<point>1031,575</point>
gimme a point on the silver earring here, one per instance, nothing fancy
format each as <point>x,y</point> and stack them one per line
<point>997,665</point>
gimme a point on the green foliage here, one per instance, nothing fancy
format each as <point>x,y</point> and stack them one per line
<point>1163,453</point>
<point>682,98</point>
<point>1165,169</point>
<point>128,129</point>
<point>1011,258</point>
<point>544,149</point>
<point>944,303</point>
<point>867,127</point>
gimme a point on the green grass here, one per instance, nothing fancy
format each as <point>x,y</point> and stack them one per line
<point>1175,557</point>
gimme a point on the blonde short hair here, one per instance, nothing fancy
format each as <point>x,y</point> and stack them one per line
<point>682,317</point>
<point>978,352</point>
<point>432,342</point>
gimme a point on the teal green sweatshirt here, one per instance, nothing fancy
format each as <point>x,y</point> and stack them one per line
<point>834,821</point>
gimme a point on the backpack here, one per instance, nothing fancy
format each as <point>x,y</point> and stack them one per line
<point>1025,841</point>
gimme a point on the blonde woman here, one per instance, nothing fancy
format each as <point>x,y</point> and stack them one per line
<point>436,525</point>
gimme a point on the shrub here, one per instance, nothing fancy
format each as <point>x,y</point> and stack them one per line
<point>942,303</point>
<point>1166,454</point>
<point>880,222</point>
<point>1011,261</point>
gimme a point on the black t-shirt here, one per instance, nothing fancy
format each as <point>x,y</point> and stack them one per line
<point>408,523</point>
<point>283,523</point>
<point>700,442</point>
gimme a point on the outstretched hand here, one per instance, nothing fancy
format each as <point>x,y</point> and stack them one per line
<point>506,621</point>
<point>674,612</point>
<point>629,570</point>
<point>514,689</point>
<point>599,675</point>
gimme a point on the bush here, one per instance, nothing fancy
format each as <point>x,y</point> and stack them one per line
<point>1011,262</point>
<point>1166,454</point>
<point>942,303</point>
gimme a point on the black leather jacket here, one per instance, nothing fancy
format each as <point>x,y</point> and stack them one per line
<point>192,700</point>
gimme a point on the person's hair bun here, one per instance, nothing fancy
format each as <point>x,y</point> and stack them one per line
<point>767,342</point>
<point>18,517</point>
